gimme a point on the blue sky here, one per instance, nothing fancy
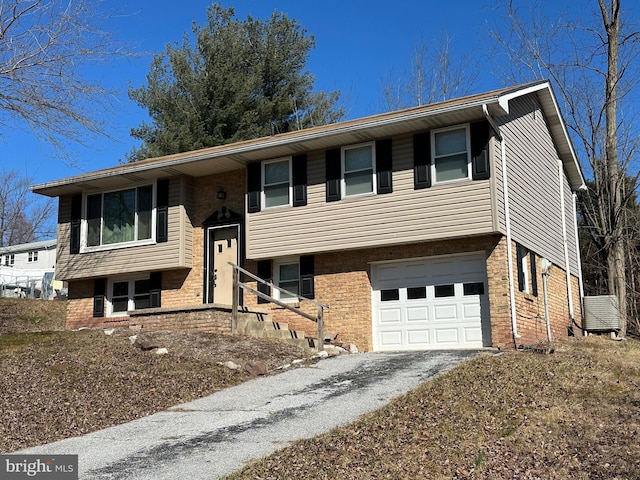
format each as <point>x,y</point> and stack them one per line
<point>357,44</point>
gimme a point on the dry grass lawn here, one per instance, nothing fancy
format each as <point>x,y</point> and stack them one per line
<point>574,414</point>
<point>57,384</point>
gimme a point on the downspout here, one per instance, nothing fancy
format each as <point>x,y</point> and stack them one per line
<point>507,221</point>
<point>564,240</point>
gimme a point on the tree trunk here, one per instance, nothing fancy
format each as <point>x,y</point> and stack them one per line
<point>616,258</point>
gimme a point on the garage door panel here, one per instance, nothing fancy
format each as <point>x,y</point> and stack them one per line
<point>417,314</point>
<point>418,338</point>
<point>446,336</point>
<point>391,339</point>
<point>445,312</point>
<point>389,316</point>
<point>472,335</point>
<point>471,311</point>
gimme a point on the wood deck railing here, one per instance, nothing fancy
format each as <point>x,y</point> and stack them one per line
<point>237,285</point>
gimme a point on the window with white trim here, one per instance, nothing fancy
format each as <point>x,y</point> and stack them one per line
<point>121,216</point>
<point>286,274</point>
<point>128,294</point>
<point>276,182</point>
<point>9,260</point>
<point>524,266</point>
<point>451,154</point>
<point>32,257</point>
<point>358,169</point>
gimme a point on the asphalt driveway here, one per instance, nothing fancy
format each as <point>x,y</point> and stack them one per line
<point>215,435</point>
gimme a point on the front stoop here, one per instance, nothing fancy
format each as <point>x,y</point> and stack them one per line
<point>260,325</point>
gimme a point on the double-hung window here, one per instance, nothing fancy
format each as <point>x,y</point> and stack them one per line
<point>9,260</point>
<point>33,257</point>
<point>527,270</point>
<point>358,170</point>
<point>287,276</point>
<point>451,154</point>
<point>276,182</point>
<point>120,216</point>
<point>126,295</point>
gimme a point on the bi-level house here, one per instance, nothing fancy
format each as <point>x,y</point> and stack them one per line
<point>451,225</point>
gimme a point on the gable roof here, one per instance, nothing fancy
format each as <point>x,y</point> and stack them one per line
<point>29,247</point>
<point>237,155</point>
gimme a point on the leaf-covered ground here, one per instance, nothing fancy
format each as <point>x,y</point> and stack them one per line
<point>573,414</point>
<point>57,384</point>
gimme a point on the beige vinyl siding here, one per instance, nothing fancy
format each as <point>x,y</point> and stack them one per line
<point>534,192</point>
<point>571,228</point>
<point>175,253</point>
<point>405,216</point>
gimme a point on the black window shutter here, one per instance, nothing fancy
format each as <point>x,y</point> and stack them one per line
<point>422,160</point>
<point>480,134</point>
<point>254,186</point>
<point>264,272</point>
<point>76,221</point>
<point>299,172</point>
<point>155,289</point>
<point>384,166</point>
<point>306,277</point>
<point>99,285</point>
<point>519,257</point>
<point>162,211</point>
<point>534,279</point>
<point>333,166</point>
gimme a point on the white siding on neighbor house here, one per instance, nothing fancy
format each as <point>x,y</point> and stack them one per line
<point>533,180</point>
<point>175,253</point>
<point>404,216</point>
<point>571,228</point>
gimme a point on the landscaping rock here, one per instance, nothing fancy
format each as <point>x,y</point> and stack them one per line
<point>146,342</point>
<point>132,339</point>
<point>230,364</point>
<point>353,348</point>
<point>255,368</point>
<point>109,331</point>
<point>332,351</point>
<point>161,351</point>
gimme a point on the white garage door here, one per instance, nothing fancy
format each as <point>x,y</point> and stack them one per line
<point>434,303</point>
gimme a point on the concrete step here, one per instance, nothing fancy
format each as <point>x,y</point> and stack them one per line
<point>260,325</point>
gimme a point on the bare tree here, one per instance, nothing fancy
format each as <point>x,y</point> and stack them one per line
<point>24,216</point>
<point>592,63</point>
<point>45,47</point>
<point>436,73</point>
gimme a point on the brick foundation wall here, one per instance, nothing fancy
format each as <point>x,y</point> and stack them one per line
<point>530,319</point>
<point>203,319</point>
<point>342,280</point>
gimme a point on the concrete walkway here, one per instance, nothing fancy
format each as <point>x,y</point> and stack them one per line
<point>216,435</point>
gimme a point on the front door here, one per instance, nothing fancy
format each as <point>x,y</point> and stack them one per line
<point>222,249</point>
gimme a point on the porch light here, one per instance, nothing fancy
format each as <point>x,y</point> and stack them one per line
<point>221,195</point>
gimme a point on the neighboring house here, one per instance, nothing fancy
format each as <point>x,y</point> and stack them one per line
<point>422,228</point>
<point>28,269</point>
